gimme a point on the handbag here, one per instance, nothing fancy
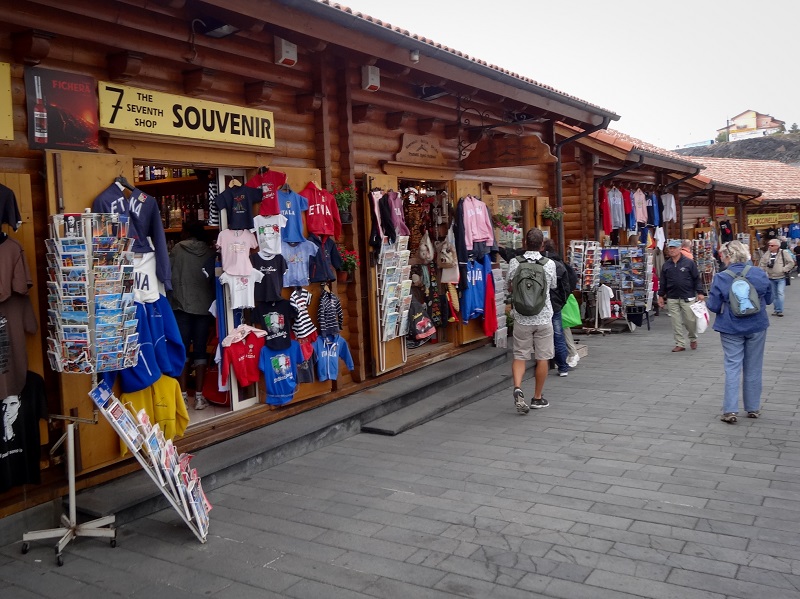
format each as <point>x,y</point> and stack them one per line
<point>571,313</point>
<point>701,312</point>
<point>446,255</point>
<point>425,252</point>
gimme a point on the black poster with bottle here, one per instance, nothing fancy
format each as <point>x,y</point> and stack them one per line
<point>62,110</point>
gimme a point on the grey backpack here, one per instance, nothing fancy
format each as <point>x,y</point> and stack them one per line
<point>743,297</point>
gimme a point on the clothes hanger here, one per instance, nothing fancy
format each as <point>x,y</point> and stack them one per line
<point>263,169</point>
<point>285,187</point>
<point>123,182</point>
<point>234,183</point>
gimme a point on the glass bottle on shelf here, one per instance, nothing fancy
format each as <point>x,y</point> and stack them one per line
<point>39,114</point>
<point>201,209</point>
<point>175,214</point>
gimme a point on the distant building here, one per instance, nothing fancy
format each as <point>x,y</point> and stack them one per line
<point>751,124</point>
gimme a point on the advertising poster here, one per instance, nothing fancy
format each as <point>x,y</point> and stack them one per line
<point>62,110</point>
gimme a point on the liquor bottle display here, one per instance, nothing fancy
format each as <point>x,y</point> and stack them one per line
<point>39,114</point>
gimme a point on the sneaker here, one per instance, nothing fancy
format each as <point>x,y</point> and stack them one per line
<point>729,417</point>
<point>185,398</point>
<point>779,314</point>
<point>519,401</point>
<point>565,373</point>
<point>538,404</point>
<point>572,362</point>
<point>755,414</point>
<point>200,402</point>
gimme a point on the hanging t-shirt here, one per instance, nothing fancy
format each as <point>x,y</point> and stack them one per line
<point>398,218</point>
<point>235,246</point>
<point>669,213</point>
<point>292,207</point>
<point>243,356</point>
<point>640,206</point>
<point>242,288</point>
<point>604,295</point>
<point>303,326</point>
<point>297,255</point>
<point>794,231</point>
<point>276,318</point>
<point>617,207</point>
<point>328,351</point>
<point>268,183</point>
<point>9,211</point>
<point>473,297</point>
<point>280,372</point>
<point>238,204</point>
<point>725,231</point>
<point>268,232</point>
<point>653,210</point>
<point>771,233</point>
<point>146,286</point>
<point>19,433</point>
<point>273,267</point>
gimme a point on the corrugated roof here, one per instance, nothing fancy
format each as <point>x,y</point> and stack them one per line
<point>433,44</point>
<point>778,181</point>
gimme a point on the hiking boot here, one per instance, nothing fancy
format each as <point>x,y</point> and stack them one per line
<point>519,401</point>
<point>538,404</point>
<point>729,417</point>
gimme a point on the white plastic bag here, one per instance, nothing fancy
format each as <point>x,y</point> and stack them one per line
<point>701,312</point>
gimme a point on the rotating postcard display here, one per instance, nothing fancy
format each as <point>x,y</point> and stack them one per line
<point>394,283</point>
<point>628,271</point>
<point>91,316</point>
<point>584,258</point>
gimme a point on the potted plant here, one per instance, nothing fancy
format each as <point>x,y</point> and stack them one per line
<point>550,213</point>
<point>345,196</point>
<point>350,262</point>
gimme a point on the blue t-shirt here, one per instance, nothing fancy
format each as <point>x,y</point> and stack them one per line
<point>296,256</point>
<point>280,372</point>
<point>794,231</point>
<point>292,206</point>
<point>238,204</point>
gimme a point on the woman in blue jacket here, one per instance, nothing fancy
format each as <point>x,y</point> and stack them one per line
<point>743,337</point>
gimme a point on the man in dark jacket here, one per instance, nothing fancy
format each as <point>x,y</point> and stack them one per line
<point>558,298</point>
<point>680,286</point>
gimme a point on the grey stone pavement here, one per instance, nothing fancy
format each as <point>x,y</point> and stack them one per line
<point>627,486</point>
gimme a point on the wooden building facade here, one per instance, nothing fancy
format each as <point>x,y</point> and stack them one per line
<point>350,99</point>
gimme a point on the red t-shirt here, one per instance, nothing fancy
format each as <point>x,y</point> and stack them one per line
<point>243,356</point>
<point>269,182</point>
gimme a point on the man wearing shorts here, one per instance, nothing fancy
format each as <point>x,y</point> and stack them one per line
<point>533,335</point>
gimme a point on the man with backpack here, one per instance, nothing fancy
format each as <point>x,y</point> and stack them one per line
<point>531,277</point>
<point>777,263</point>
<point>739,296</point>
<point>566,281</point>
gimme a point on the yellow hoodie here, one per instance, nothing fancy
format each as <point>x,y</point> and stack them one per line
<point>164,404</point>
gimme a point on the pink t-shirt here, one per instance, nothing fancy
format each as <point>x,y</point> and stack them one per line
<point>235,246</point>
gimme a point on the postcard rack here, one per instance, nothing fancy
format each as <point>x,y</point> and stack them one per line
<point>393,275</point>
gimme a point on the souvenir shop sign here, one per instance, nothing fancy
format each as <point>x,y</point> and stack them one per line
<point>418,149</point>
<point>765,220</point>
<point>6,120</point>
<point>62,110</point>
<point>158,113</point>
<point>513,150</point>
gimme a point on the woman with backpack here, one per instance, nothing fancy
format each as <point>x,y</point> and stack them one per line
<point>739,296</point>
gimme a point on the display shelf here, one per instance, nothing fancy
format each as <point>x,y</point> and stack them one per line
<point>154,182</point>
<point>179,229</point>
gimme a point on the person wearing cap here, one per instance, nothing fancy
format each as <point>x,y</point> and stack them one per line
<point>680,287</point>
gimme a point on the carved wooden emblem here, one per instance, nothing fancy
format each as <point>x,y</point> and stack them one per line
<point>418,149</point>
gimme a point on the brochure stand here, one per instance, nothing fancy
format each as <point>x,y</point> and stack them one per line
<point>70,529</point>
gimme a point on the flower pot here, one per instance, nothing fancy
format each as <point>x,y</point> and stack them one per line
<point>344,276</point>
<point>546,222</point>
<point>346,217</point>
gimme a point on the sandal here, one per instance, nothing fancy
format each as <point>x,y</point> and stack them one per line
<point>729,417</point>
<point>755,414</point>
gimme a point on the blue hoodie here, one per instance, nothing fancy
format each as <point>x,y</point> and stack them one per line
<point>717,302</point>
<point>145,222</point>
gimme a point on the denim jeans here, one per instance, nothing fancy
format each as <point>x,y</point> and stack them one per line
<point>743,358</point>
<point>778,288</point>
<point>560,343</point>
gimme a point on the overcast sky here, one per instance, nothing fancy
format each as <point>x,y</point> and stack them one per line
<point>674,70</point>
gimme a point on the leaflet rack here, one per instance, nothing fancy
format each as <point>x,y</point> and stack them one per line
<point>70,529</point>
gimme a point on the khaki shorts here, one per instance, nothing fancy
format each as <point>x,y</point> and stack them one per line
<point>536,339</point>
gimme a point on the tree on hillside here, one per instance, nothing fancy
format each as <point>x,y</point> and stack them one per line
<point>794,128</point>
<point>722,137</point>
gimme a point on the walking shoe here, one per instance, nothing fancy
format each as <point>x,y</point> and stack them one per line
<point>185,398</point>
<point>755,414</point>
<point>572,362</point>
<point>519,401</point>
<point>200,402</point>
<point>779,314</point>
<point>693,344</point>
<point>729,417</point>
<point>678,348</point>
<point>565,373</point>
<point>538,404</point>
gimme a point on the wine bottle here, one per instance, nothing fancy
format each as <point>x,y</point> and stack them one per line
<point>39,113</point>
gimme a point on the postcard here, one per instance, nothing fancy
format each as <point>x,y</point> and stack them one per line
<point>102,395</point>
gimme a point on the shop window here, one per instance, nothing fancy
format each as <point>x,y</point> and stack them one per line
<point>509,223</point>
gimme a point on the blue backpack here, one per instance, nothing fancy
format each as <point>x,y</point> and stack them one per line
<point>743,297</point>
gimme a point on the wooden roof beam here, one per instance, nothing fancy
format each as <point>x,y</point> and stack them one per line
<point>31,47</point>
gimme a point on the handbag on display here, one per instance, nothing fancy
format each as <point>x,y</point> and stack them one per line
<point>425,251</point>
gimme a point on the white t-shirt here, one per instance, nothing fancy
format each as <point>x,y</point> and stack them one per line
<point>146,286</point>
<point>235,246</point>
<point>268,232</point>
<point>242,287</point>
<point>604,295</point>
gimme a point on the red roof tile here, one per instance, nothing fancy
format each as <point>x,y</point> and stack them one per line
<point>454,52</point>
<point>779,181</point>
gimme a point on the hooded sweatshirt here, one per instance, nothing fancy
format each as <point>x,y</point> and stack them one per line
<point>192,290</point>
<point>145,225</point>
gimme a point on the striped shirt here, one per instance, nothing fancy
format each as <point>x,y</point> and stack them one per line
<point>330,315</point>
<point>303,326</point>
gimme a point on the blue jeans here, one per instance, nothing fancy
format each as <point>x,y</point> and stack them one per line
<point>743,359</point>
<point>560,343</point>
<point>778,288</point>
